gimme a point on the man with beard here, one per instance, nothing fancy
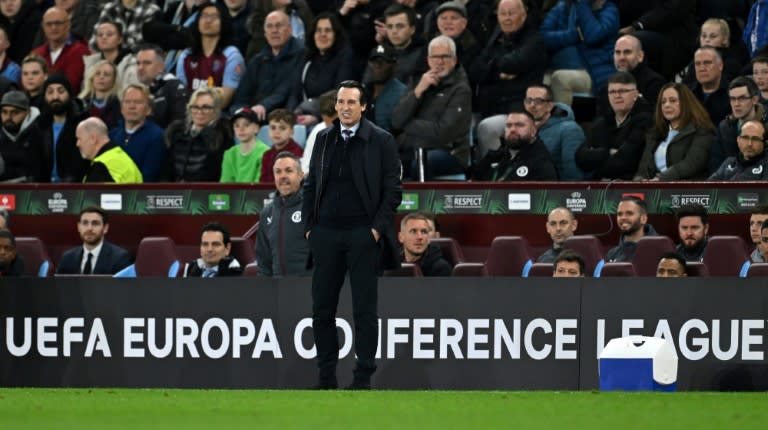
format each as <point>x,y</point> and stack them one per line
<point>632,219</point>
<point>60,117</point>
<point>21,149</point>
<point>414,237</point>
<point>692,227</point>
<point>671,265</point>
<point>384,88</point>
<point>560,226</point>
<point>11,263</point>
<point>521,157</point>
<point>96,256</point>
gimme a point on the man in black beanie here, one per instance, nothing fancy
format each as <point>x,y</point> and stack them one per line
<point>61,114</point>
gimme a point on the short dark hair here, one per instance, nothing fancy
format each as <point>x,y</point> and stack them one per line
<point>397,9</point>
<point>152,47</point>
<point>97,210</point>
<point>282,115</point>
<point>118,26</point>
<point>521,111</point>
<point>764,225</point>
<point>570,256</point>
<point>743,81</point>
<point>639,202</point>
<point>547,89</point>
<point>693,209</point>
<point>674,255</point>
<point>761,209</point>
<point>292,156</point>
<point>353,84</point>
<point>8,235</point>
<point>326,103</point>
<point>217,226</point>
<point>760,59</point>
<point>622,78</point>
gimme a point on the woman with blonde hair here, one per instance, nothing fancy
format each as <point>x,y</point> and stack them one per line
<point>99,94</point>
<point>716,32</point>
<point>677,146</point>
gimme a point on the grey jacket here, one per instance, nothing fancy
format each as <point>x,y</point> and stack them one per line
<point>281,249</point>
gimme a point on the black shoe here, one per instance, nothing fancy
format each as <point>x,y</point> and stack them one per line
<point>359,385</point>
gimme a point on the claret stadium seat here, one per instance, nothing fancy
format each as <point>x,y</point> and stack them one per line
<point>508,256</point>
<point>156,256</point>
<point>243,250</point>
<point>251,269</point>
<point>649,250</point>
<point>757,269</point>
<point>36,258</point>
<point>591,251</point>
<point>618,269</point>
<point>541,270</point>
<point>696,268</point>
<point>469,270</point>
<point>727,256</point>
<point>451,249</point>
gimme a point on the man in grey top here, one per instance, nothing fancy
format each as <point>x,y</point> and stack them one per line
<point>561,224</point>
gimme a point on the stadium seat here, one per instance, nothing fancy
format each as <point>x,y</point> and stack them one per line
<point>36,259</point>
<point>156,256</point>
<point>300,134</point>
<point>591,251</point>
<point>451,249</point>
<point>541,270</point>
<point>726,256</point>
<point>698,269</point>
<point>243,250</point>
<point>405,270</point>
<point>251,269</point>
<point>618,269</point>
<point>757,269</point>
<point>649,250</point>
<point>263,135</point>
<point>508,256</point>
<point>469,270</point>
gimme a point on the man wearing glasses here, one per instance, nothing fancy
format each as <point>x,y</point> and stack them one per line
<point>435,113</point>
<point>96,256</point>
<point>61,51</point>
<point>751,162</point>
<point>744,97</point>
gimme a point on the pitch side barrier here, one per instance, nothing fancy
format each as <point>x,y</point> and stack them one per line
<point>489,333</point>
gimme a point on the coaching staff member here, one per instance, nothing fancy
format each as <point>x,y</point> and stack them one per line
<point>350,196</point>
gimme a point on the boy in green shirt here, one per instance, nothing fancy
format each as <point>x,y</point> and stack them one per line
<point>242,163</point>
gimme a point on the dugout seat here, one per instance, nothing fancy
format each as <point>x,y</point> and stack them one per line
<point>406,270</point>
<point>156,256</point>
<point>251,269</point>
<point>727,256</point>
<point>590,249</point>
<point>508,256</point>
<point>243,250</point>
<point>649,250</point>
<point>36,259</point>
<point>618,269</point>
<point>469,270</point>
<point>696,268</point>
<point>451,250</point>
<point>541,270</point>
<point>757,270</point>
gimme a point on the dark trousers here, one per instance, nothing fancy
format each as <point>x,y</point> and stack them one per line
<point>336,252</point>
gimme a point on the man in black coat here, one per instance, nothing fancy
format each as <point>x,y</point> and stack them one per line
<point>521,157</point>
<point>350,196</point>
<point>96,256</point>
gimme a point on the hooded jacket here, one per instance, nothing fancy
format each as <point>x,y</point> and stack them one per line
<point>563,136</point>
<point>281,248</point>
<point>23,153</point>
<point>625,250</point>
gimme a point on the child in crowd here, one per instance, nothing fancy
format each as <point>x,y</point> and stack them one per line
<point>281,122</point>
<point>242,163</point>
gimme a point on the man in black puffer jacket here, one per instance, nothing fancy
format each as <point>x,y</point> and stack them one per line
<point>414,237</point>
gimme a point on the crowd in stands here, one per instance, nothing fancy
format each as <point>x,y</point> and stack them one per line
<point>616,89</point>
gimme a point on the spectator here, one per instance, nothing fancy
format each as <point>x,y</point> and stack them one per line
<point>96,256</point>
<point>385,89</point>
<point>751,162</point>
<point>266,84</point>
<point>140,137</point>
<point>109,46</point>
<point>211,62</point>
<point>239,12</point>
<point>665,28</point>
<point>671,265</point>
<point>58,122</point>
<point>242,162</point>
<point>169,94</point>
<point>758,216</point>
<point>755,34</point>
<point>329,60</point>
<point>580,36</point>
<point>744,98</point>
<point>281,248</point>
<point>363,20</point>
<point>513,60</point>
<point>11,263</point>
<point>711,88</point>
<point>21,149</point>
<point>678,145</point>
<point>632,220</point>
<point>692,229</point>
<point>83,14</point>
<point>8,68</point>
<point>21,19</point>
<point>170,32</point>
<point>109,163</point>
<point>214,261</point>
<point>760,75</point>
<point>400,25</point>
<point>34,72</point>
<point>435,114</point>
<point>452,20</point>
<point>196,146</point>
<point>568,264</point>
<point>281,123</point>
<point>561,224</point>
<point>99,94</point>
<point>416,249</point>
<point>131,15</point>
<point>617,140</point>
<point>716,33</point>
<point>299,17</point>
<point>327,106</point>
<point>61,51</point>
<point>521,157</point>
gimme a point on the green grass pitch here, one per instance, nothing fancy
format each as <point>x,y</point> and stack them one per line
<point>289,409</point>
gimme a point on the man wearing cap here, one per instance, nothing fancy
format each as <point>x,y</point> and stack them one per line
<point>384,88</point>
<point>436,114</point>
<point>21,146</point>
<point>61,51</point>
<point>451,19</point>
<point>60,116</point>
<point>109,163</point>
